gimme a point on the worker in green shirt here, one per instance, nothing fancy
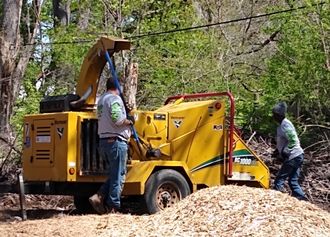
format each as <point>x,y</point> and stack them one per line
<point>114,132</point>
<point>288,147</point>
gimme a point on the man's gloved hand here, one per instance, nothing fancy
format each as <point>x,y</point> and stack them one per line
<point>285,153</point>
<point>131,119</point>
<point>277,156</point>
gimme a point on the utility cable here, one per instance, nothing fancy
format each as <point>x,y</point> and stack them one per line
<point>221,23</point>
<point>194,27</point>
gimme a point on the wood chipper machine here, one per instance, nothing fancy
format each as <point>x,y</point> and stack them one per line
<point>187,144</point>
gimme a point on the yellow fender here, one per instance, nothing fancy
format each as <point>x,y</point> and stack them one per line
<point>139,172</point>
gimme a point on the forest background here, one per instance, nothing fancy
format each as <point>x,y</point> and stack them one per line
<point>263,60</point>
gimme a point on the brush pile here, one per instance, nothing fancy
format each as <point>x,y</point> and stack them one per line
<point>218,211</point>
<point>315,173</point>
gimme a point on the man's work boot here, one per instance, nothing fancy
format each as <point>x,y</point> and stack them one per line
<point>97,203</point>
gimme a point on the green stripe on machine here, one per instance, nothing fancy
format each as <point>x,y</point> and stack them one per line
<point>218,159</point>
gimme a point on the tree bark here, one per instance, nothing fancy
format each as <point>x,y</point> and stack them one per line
<point>84,17</point>
<point>9,48</point>
<point>61,12</point>
<point>13,58</point>
<point>130,84</point>
<point>130,73</point>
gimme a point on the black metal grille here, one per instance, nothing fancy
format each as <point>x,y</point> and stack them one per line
<point>90,161</point>
<point>43,154</point>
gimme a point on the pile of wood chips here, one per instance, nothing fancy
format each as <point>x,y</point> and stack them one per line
<point>218,211</point>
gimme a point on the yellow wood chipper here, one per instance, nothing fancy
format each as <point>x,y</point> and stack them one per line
<point>187,144</point>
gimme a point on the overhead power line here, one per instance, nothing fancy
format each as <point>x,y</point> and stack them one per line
<point>82,41</point>
<point>221,23</point>
<point>148,34</point>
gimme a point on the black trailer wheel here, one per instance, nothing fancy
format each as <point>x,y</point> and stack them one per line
<point>163,189</point>
<point>82,204</point>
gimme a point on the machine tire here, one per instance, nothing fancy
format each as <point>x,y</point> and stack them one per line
<point>164,188</point>
<point>82,204</point>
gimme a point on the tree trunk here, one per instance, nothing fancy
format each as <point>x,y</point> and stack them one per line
<point>84,16</point>
<point>130,84</point>
<point>130,78</point>
<point>61,12</point>
<point>25,54</point>
<point>9,48</point>
<point>13,58</point>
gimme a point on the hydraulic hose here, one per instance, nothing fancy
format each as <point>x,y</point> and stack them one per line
<point>114,75</point>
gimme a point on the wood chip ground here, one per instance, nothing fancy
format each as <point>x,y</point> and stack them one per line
<point>218,211</point>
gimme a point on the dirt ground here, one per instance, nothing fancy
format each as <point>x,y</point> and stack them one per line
<point>48,215</point>
<point>45,206</point>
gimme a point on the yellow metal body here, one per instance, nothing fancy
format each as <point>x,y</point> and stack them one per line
<point>195,134</point>
<point>192,138</point>
<point>52,146</point>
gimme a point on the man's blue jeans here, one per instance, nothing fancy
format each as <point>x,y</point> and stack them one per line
<point>290,169</point>
<point>115,155</point>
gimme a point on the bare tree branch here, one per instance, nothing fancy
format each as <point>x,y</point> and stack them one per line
<point>262,45</point>
<point>11,145</point>
<point>317,125</point>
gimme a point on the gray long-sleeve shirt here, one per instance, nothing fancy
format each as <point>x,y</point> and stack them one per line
<point>287,141</point>
<point>111,115</point>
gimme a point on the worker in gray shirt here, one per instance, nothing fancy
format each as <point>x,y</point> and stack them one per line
<point>288,146</point>
<point>114,132</point>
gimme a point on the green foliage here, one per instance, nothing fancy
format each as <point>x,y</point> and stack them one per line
<point>173,63</point>
<point>295,71</point>
<point>298,73</point>
<point>66,60</point>
<point>29,98</point>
